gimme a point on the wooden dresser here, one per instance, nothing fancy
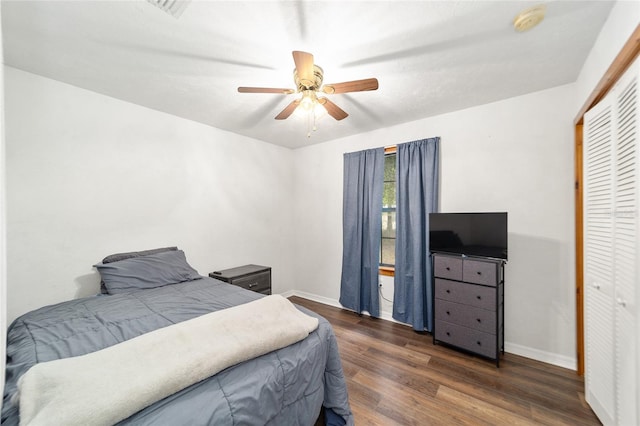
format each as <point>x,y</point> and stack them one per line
<point>469,303</point>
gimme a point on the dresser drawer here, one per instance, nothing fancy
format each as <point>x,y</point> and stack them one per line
<point>447,267</point>
<point>468,316</point>
<point>260,282</point>
<point>468,294</point>
<point>466,338</point>
<point>478,272</point>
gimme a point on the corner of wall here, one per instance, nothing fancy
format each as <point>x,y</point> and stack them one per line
<point>3,232</point>
<point>621,23</point>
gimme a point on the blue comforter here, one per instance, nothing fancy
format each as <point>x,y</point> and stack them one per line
<point>285,387</point>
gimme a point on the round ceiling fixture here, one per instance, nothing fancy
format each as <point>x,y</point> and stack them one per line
<point>529,18</point>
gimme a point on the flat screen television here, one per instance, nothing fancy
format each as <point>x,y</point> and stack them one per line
<point>469,234</point>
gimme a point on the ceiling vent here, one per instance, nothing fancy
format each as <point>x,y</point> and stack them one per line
<point>172,7</point>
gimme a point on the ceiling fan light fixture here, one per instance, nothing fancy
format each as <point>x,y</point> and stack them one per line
<point>529,18</point>
<point>308,101</point>
<point>310,105</point>
<point>311,109</point>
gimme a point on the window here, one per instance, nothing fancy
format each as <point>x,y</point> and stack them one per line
<point>388,240</point>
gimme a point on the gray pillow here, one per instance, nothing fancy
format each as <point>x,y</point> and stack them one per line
<point>144,272</point>
<point>127,255</point>
<point>121,256</point>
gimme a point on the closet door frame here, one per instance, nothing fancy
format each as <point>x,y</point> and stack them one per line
<point>620,64</point>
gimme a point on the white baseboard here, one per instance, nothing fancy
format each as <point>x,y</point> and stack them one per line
<point>387,316</point>
<point>550,358</point>
<point>316,298</point>
<point>512,348</point>
<point>287,293</point>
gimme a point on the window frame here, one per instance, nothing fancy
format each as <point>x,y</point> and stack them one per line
<point>388,270</point>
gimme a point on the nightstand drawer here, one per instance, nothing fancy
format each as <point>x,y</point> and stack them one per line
<point>479,272</point>
<point>468,316</point>
<point>468,294</point>
<point>466,338</point>
<point>447,267</point>
<point>251,277</point>
<point>259,282</point>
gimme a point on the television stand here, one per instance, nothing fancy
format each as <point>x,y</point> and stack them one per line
<point>469,303</point>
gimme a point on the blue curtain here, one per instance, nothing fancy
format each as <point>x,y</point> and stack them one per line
<point>416,197</point>
<point>361,226</point>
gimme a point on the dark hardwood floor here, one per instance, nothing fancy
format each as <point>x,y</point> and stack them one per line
<point>396,376</point>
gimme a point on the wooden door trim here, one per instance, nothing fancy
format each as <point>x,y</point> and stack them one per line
<point>579,250</point>
<point>619,65</point>
<point>622,61</point>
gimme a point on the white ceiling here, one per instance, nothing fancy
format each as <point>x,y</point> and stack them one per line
<point>430,57</point>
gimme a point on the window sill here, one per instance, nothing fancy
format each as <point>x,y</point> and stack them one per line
<point>388,271</point>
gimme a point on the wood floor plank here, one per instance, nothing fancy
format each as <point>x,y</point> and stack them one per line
<point>471,386</point>
<point>405,406</point>
<point>554,418</point>
<point>396,376</point>
<point>483,410</point>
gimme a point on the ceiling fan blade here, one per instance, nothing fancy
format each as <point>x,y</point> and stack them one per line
<point>265,90</point>
<point>285,113</point>
<point>332,109</point>
<point>351,86</point>
<point>304,67</point>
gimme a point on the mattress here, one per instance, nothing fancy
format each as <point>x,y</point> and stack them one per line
<point>289,386</point>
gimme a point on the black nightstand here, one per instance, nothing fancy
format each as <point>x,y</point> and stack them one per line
<point>252,277</point>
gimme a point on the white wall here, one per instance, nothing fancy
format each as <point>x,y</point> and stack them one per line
<point>3,233</point>
<point>89,175</point>
<point>516,156</point>
<point>622,21</point>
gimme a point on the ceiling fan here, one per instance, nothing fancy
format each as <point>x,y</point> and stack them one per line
<point>308,79</point>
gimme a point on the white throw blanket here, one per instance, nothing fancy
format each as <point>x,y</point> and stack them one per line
<point>107,386</point>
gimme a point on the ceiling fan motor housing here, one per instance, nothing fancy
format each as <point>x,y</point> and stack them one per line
<point>303,84</point>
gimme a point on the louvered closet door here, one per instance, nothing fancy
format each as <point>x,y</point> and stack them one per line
<point>598,262</point>
<point>611,253</point>
<point>626,248</point>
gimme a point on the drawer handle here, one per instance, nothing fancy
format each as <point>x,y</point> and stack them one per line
<point>448,291</point>
<point>479,320</point>
<point>448,313</point>
<point>447,268</point>
<point>479,343</point>
<point>479,273</point>
<point>448,334</point>
<point>252,285</point>
<point>479,297</point>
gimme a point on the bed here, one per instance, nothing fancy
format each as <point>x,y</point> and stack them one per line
<point>294,385</point>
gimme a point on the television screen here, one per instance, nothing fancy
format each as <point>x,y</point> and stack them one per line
<point>470,234</point>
